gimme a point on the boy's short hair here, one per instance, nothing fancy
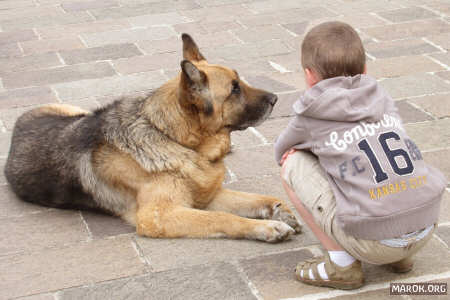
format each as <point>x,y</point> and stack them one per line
<point>333,49</point>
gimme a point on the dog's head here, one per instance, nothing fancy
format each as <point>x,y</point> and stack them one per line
<point>218,95</point>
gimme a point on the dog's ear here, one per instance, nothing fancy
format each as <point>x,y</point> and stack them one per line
<point>192,74</point>
<point>195,83</point>
<point>190,49</point>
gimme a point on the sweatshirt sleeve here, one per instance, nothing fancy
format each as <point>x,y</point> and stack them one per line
<point>295,133</point>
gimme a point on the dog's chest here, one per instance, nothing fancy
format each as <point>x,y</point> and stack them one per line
<point>205,184</point>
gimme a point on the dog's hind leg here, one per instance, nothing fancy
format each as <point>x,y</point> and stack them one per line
<point>159,215</point>
<point>253,206</point>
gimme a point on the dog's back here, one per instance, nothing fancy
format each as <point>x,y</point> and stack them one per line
<point>42,163</point>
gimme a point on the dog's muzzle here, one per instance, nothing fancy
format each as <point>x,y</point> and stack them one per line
<point>271,98</point>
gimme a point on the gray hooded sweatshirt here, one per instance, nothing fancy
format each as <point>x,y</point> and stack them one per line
<point>382,186</point>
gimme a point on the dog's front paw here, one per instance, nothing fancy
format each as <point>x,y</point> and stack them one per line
<point>273,231</point>
<point>284,214</point>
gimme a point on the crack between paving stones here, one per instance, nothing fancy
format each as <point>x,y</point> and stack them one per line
<point>141,255</point>
<point>247,280</point>
<point>418,107</point>
<point>89,232</point>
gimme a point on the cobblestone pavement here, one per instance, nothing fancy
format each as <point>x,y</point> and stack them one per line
<point>89,52</point>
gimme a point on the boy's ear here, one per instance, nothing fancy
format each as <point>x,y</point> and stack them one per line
<point>311,77</point>
<point>190,49</point>
<point>365,69</point>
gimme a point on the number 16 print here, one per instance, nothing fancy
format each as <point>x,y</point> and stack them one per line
<point>391,154</point>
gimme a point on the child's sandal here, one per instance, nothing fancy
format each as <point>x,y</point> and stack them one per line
<point>345,278</point>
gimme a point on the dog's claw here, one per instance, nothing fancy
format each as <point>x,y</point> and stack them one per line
<point>284,214</point>
<point>274,232</point>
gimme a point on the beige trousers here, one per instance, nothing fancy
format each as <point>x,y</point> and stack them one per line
<point>307,179</point>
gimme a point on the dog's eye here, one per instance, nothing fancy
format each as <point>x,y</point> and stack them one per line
<point>235,89</point>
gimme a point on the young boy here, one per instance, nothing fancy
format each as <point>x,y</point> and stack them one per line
<point>359,182</point>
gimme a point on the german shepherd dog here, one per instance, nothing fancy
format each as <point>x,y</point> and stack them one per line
<point>156,161</point>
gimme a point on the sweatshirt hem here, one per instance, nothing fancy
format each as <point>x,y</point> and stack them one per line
<point>379,228</point>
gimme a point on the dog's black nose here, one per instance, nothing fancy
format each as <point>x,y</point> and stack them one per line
<point>272,98</point>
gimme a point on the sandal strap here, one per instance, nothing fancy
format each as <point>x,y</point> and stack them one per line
<point>305,273</point>
<point>329,266</point>
<point>311,264</point>
<point>315,270</point>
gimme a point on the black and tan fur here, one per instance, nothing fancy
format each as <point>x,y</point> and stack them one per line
<point>156,161</point>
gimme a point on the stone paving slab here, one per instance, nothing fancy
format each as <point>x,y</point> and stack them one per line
<point>273,275</point>
<point>443,40</point>
<point>438,105</point>
<point>13,207</point>
<point>108,52</point>
<point>36,231</point>
<point>409,29</point>
<point>2,174</point>
<point>171,44</point>
<point>57,75</point>
<point>257,49</point>
<point>402,66</point>
<point>261,81</point>
<point>10,50</point>
<point>86,5</point>
<point>284,105</point>
<point>191,252</point>
<point>262,163</point>
<point>443,232</point>
<point>38,297</point>
<point>244,139</point>
<point>444,58</point>
<point>51,45</point>
<point>411,114</point>
<point>217,281</point>
<point>288,16</point>
<point>30,62</point>
<point>437,158</point>
<point>271,128</point>
<point>372,295</point>
<point>139,64</point>
<point>171,18</point>
<point>26,97</point>
<point>5,142</point>
<point>400,48</point>
<point>113,86</point>
<point>414,85</point>
<point>80,264</point>
<point>104,226</point>
<point>418,132</point>
<point>89,53</point>
<point>444,75</point>
<point>292,79</point>
<point>17,36</point>
<point>126,36</point>
<point>34,20</point>
<point>444,216</point>
<point>407,14</point>
<point>363,6</point>
<point>73,30</point>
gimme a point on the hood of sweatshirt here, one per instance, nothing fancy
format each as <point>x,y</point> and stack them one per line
<point>349,99</point>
